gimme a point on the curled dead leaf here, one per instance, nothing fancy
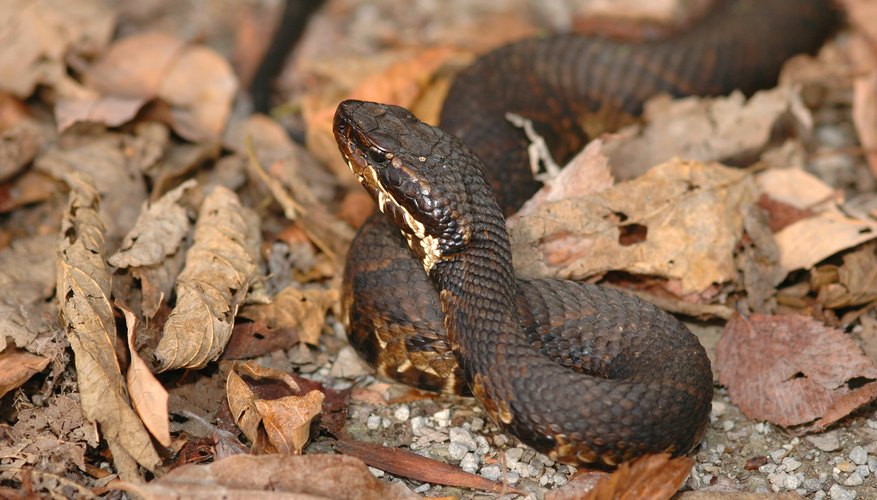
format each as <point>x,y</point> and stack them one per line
<point>16,367</point>
<point>656,476</point>
<point>220,266</point>
<point>147,394</point>
<point>83,288</point>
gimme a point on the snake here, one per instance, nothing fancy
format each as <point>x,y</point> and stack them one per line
<point>588,375</point>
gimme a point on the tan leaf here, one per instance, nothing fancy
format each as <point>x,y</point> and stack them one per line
<point>147,394</point>
<point>279,424</point>
<point>243,477</point>
<point>196,81</point>
<point>680,221</point>
<point>793,371</point>
<point>303,311</point>
<point>650,476</point>
<point>287,420</point>
<point>865,115</point>
<point>852,284</point>
<point>83,289</point>
<point>705,129</point>
<point>16,367</point>
<point>157,235</point>
<point>39,34</point>
<point>220,266</point>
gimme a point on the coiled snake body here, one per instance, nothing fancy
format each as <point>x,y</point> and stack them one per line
<point>583,373</point>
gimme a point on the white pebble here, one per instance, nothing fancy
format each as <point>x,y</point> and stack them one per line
<point>469,463</point>
<point>793,481</point>
<point>836,492</point>
<point>402,413</point>
<point>423,488</point>
<point>778,455</point>
<point>477,424</point>
<point>386,422</point>
<point>373,422</point>
<point>777,480</point>
<point>417,425</point>
<point>500,440</point>
<point>863,470</point>
<point>560,480</point>
<point>376,472</point>
<point>791,464</point>
<point>718,409</point>
<point>463,437</point>
<point>457,451</point>
<point>442,418</point>
<point>854,480</point>
<point>859,455</point>
<point>491,471</point>
<point>728,425</point>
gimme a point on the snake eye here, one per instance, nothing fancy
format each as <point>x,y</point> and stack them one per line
<point>376,155</point>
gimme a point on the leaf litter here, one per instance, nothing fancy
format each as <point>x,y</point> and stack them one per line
<point>187,233</point>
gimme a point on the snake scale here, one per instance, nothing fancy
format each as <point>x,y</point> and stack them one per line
<point>583,373</point>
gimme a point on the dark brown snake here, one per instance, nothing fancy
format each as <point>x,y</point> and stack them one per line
<point>583,373</point>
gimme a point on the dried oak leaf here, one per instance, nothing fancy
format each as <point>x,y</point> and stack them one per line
<point>705,129</point>
<point>220,266</point>
<point>242,477</point>
<point>824,230</point>
<point>650,476</point>
<point>147,394</point>
<point>301,312</point>
<point>793,371</point>
<point>680,221</point>
<point>83,288</point>
<point>39,34</point>
<point>273,424</point>
<point>851,284</point>
<point>195,81</point>
<point>148,247</point>
<point>16,367</point>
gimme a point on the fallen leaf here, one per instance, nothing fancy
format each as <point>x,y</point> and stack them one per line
<point>158,234</point>
<point>853,283</point>
<point>704,129</point>
<point>413,466</point>
<point>651,476</point>
<point>147,394</point>
<point>242,477</point>
<point>300,311</point>
<point>793,371</point>
<point>39,34</point>
<point>220,266</point>
<point>30,187</point>
<point>279,424</point>
<point>83,290</point>
<point>680,221</point>
<point>17,367</point>
<point>195,81</point>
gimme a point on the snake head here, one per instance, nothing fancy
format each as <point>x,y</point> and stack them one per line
<point>408,168</point>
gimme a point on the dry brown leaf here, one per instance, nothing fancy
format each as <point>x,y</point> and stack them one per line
<point>111,161</point>
<point>39,34</point>
<point>220,266</point>
<point>793,371</point>
<point>276,424</point>
<point>680,221</point>
<point>303,311</point>
<point>407,464</point>
<point>656,476</point>
<point>242,477</point>
<point>16,367</point>
<point>28,188</point>
<point>147,394</point>
<point>157,235</point>
<point>852,284</point>
<point>195,81</point>
<point>83,290</point>
<point>21,136</point>
<point>865,115</point>
<point>705,129</point>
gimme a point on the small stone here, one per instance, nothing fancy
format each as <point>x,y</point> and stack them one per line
<point>872,464</point>
<point>767,468</point>
<point>791,464</point>
<point>720,448</point>
<point>854,480</point>
<point>376,472</point>
<point>858,455</point>
<point>846,466</point>
<point>469,463</point>
<point>402,413</point>
<point>778,455</point>
<point>386,422</point>
<point>828,441</point>
<point>836,492</point>
<point>521,468</point>
<point>728,425</point>
<point>500,440</point>
<point>491,471</point>
<point>513,455</point>
<point>442,418</point>
<point>417,425</point>
<point>477,424</point>
<point>535,467</point>
<point>863,470</point>
<point>718,409</point>
<point>512,477</point>
<point>760,428</point>
<point>423,488</point>
<point>462,436</point>
<point>819,495</point>
<point>373,422</point>
<point>544,479</point>
<point>483,445</point>
<point>777,479</point>
<point>793,481</point>
<point>560,480</point>
<point>812,484</point>
<point>457,451</point>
